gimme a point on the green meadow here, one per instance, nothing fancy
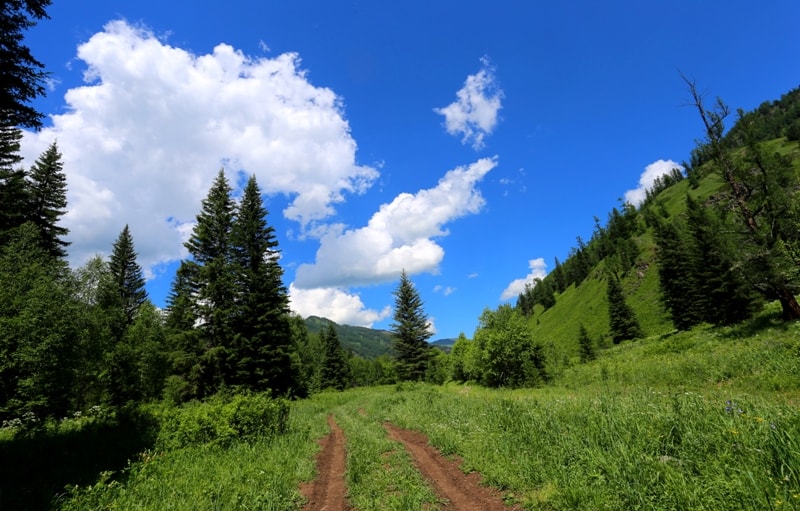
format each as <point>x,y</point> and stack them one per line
<point>704,419</point>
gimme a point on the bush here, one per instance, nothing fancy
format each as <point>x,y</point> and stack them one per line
<point>221,420</point>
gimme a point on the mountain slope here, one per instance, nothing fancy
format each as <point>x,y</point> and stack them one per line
<point>364,342</point>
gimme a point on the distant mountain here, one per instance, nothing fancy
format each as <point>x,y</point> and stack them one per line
<point>365,342</point>
<point>444,344</point>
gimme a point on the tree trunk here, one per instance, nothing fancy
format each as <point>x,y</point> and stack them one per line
<point>791,309</point>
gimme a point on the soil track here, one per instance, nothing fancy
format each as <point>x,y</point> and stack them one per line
<point>327,491</point>
<point>460,491</point>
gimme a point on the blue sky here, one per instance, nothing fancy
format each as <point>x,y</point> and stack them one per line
<point>467,142</point>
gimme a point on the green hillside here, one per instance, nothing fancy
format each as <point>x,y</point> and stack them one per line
<point>574,294</point>
<point>364,342</point>
<point>585,304</point>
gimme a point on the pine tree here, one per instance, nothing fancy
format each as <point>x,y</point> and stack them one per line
<point>262,353</point>
<point>719,292</point>
<point>680,290</point>
<point>623,324</point>
<point>761,189</point>
<point>209,247</point>
<point>127,276</point>
<point>586,345</point>
<point>336,368</point>
<point>213,288</point>
<point>411,331</point>
<point>14,193</point>
<point>23,76</point>
<point>48,195</point>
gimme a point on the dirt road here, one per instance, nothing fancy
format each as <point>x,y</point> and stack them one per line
<point>458,491</point>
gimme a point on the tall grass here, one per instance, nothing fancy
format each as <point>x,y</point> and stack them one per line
<point>641,449</point>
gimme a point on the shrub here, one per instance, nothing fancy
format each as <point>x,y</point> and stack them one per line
<point>220,420</point>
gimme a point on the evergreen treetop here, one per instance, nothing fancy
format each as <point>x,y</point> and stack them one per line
<point>411,331</point>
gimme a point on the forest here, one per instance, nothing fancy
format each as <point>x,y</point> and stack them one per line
<point>94,375</point>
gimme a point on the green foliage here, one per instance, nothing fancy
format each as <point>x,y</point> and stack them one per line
<point>622,321</point>
<point>128,279</point>
<point>221,420</point>
<point>40,329</point>
<point>261,354</point>
<point>23,75</point>
<point>361,341</point>
<point>14,190</point>
<point>229,323</point>
<point>760,199</point>
<point>48,200</point>
<point>336,373</point>
<point>586,344</point>
<point>411,332</point>
<point>507,353</point>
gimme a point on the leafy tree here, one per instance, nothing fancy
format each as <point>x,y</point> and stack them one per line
<point>40,329</point>
<point>23,76</point>
<point>336,368</point>
<point>586,344</point>
<point>263,348</point>
<point>411,331</point>
<point>48,196</point>
<point>761,189</point>
<point>127,277</point>
<point>623,324</point>
<point>509,357</point>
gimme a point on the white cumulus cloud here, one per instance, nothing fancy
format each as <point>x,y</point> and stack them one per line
<point>651,172</point>
<point>537,267</point>
<point>473,115</point>
<point>335,304</point>
<point>400,235</point>
<point>145,135</point>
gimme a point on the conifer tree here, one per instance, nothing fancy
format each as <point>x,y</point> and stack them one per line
<point>22,75</point>
<point>127,276</point>
<point>719,294</point>
<point>586,344</point>
<point>209,247</point>
<point>213,286</point>
<point>623,324</point>
<point>14,193</point>
<point>761,194</point>
<point>411,331</point>
<point>48,196</point>
<point>262,352</point>
<point>680,290</point>
<point>336,369</point>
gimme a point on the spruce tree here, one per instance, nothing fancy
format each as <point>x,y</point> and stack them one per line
<point>586,345</point>
<point>48,196</point>
<point>22,75</point>
<point>262,352</point>
<point>678,282</point>
<point>761,195</point>
<point>719,293</point>
<point>336,368</point>
<point>127,276</point>
<point>14,193</point>
<point>623,324</point>
<point>411,331</point>
<point>213,285</point>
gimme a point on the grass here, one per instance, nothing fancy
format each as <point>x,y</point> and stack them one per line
<point>705,419</point>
